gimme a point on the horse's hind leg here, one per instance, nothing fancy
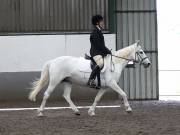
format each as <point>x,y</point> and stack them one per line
<point>66,95</point>
<point>47,93</point>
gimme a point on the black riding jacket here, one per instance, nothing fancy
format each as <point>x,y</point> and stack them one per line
<point>97,43</point>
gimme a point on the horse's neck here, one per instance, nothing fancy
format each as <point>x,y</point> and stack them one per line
<point>120,63</point>
<point>124,53</point>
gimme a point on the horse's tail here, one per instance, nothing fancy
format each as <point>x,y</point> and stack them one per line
<point>38,84</point>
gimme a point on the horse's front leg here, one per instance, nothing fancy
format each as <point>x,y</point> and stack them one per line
<point>97,98</point>
<point>113,84</point>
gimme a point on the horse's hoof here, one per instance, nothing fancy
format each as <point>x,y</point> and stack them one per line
<point>77,113</point>
<point>40,114</point>
<point>129,110</point>
<point>91,113</point>
<point>34,100</point>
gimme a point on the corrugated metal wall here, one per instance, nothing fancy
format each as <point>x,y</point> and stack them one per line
<point>50,15</point>
<point>136,19</point>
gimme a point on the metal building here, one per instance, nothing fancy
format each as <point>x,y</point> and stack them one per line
<point>33,16</point>
<point>128,20</point>
<point>137,20</point>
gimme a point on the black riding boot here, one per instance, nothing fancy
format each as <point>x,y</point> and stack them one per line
<point>99,80</point>
<point>92,77</point>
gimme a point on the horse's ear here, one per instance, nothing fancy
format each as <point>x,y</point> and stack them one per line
<point>138,42</point>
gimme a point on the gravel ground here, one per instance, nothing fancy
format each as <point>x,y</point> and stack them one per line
<point>147,118</point>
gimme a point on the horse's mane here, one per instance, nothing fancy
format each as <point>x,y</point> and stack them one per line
<point>125,52</point>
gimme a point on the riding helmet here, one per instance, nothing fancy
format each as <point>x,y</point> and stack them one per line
<point>96,19</point>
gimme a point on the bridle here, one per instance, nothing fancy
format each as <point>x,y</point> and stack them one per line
<point>138,58</point>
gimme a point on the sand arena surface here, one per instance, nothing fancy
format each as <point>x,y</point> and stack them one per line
<point>148,118</point>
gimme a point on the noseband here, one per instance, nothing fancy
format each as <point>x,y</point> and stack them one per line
<point>140,59</point>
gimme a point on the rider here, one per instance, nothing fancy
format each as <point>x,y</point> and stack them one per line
<point>98,50</point>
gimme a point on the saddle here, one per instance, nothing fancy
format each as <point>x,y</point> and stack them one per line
<point>92,63</point>
<point>86,64</point>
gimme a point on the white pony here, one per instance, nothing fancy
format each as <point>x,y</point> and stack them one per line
<point>66,70</point>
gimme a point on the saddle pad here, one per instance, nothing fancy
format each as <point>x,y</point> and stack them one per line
<point>84,65</point>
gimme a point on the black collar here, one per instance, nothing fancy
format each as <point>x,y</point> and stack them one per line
<point>96,28</point>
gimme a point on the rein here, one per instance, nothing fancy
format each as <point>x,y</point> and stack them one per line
<point>134,60</point>
<point>124,58</point>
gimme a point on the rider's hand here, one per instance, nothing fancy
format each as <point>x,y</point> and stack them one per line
<point>110,52</point>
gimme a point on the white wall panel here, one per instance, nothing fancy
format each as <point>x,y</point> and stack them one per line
<point>29,53</point>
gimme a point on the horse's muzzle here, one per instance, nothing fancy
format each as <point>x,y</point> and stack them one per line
<point>147,65</point>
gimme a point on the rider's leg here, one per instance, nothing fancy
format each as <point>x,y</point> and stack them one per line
<point>99,79</point>
<point>93,76</point>
<point>96,72</point>
<point>99,61</point>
